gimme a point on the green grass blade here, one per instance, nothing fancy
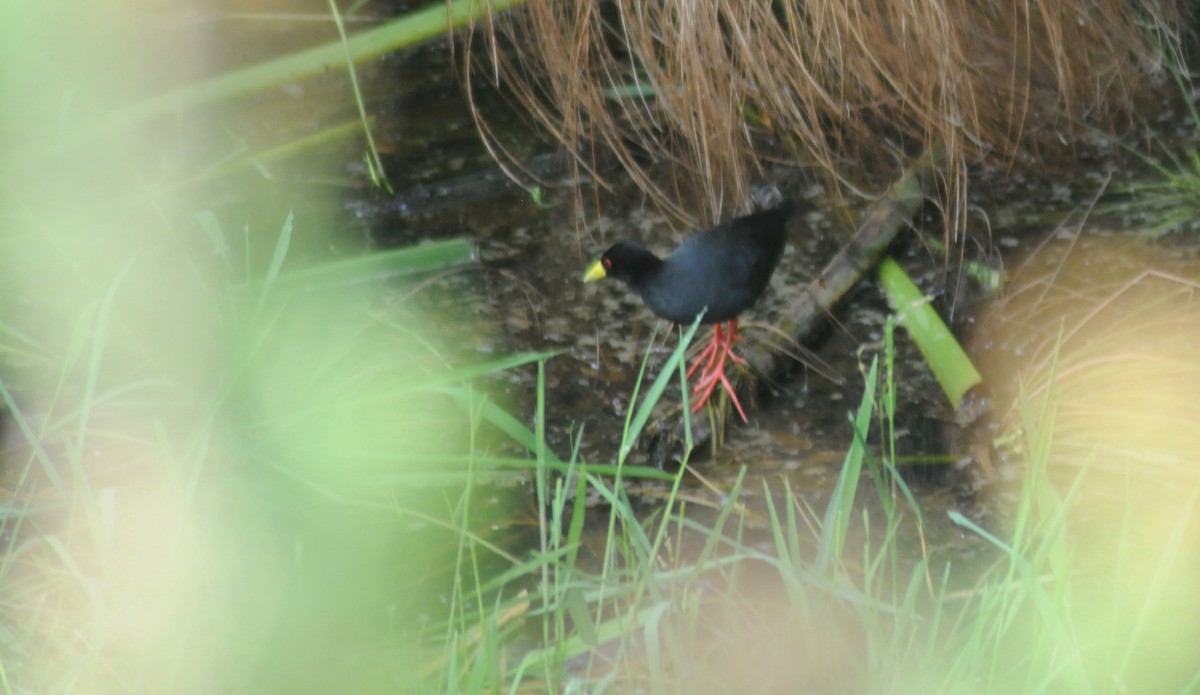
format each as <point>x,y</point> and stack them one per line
<point>642,416</point>
<point>421,258</point>
<point>282,244</point>
<point>841,504</point>
<point>472,400</point>
<point>434,380</point>
<point>375,163</point>
<point>408,30</point>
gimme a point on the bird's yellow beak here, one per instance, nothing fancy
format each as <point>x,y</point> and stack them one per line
<point>594,272</point>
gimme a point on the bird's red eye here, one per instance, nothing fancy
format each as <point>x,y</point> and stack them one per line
<point>608,264</point>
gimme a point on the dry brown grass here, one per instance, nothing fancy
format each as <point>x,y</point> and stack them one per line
<point>856,86</point>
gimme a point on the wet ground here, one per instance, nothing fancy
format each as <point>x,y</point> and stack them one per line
<point>526,293</point>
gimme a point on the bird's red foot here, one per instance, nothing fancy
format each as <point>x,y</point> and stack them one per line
<point>713,359</point>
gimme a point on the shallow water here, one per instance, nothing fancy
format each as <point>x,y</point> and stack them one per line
<point>526,293</point>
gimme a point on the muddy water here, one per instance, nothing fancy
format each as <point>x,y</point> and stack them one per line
<point>526,294</point>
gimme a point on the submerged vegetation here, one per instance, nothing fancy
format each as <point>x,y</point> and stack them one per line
<point>237,461</point>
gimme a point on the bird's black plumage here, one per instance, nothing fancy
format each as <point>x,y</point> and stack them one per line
<point>721,271</point>
<point>724,268</point>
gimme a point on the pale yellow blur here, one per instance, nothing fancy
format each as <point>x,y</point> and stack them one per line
<point>1103,335</point>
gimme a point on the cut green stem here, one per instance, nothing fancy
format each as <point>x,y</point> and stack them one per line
<point>951,367</point>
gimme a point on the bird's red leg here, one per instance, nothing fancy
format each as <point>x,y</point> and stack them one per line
<point>710,352</point>
<point>713,358</point>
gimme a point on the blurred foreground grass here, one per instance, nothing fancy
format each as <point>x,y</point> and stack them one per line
<point>232,465</point>
<point>229,464</point>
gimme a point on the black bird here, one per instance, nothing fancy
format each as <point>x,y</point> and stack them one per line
<point>721,271</point>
